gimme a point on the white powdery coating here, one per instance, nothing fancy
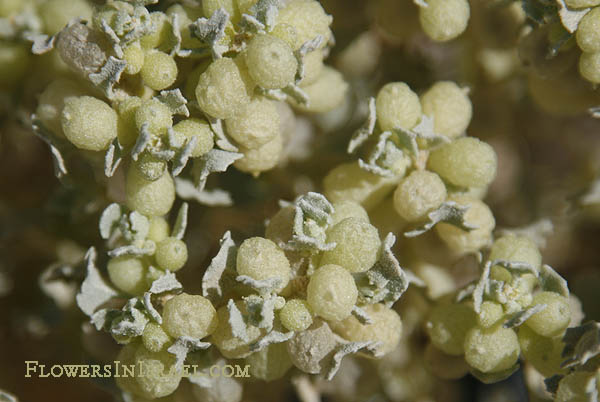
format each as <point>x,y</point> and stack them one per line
<point>307,18</point>
<point>589,66</point>
<point>397,106</point>
<point>296,315</point>
<point>357,245</point>
<point>189,315</point>
<point>127,274</point>
<point>516,248</point>
<point>588,32</point>
<point>229,345</point>
<point>331,292</point>
<point>308,348</point>
<point>447,327</point>
<point>271,62</point>
<point>222,90</point>
<point>450,108</point>
<point>348,209</point>
<point>52,102</point>
<point>171,254</point>
<point>582,3</point>
<point>444,20</point>
<point>159,70</point>
<point>151,198</point>
<point>255,125</point>
<point>260,159</point>
<point>552,320</point>
<point>478,215</point>
<point>89,123</point>
<point>326,93</point>
<point>261,259</point>
<point>349,182</point>
<point>465,162</point>
<point>492,350</point>
<point>160,377</point>
<point>418,194</point>
<point>385,328</point>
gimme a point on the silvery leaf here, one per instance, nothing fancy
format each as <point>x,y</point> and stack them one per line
<point>112,158</point>
<point>215,160</point>
<point>187,190</point>
<point>181,222</point>
<point>262,286</point>
<point>552,281</point>
<point>211,31</point>
<point>449,212</point>
<point>570,18</point>
<point>361,135</point>
<point>109,220</point>
<point>237,322</point>
<point>165,283</point>
<point>581,344</point>
<point>225,259</point>
<point>108,75</point>
<point>361,315</point>
<point>520,317</point>
<point>271,338</point>
<point>184,345</point>
<point>175,101</point>
<point>94,290</point>
<point>142,142</point>
<point>346,349</point>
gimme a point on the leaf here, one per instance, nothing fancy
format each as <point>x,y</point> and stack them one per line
<point>264,286</point>
<point>176,35</point>
<point>58,161</point>
<point>385,281</point>
<point>211,31</point>
<point>109,220</point>
<point>384,157</point>
<point>185,189</point>
<point>132,321</point>
<point>108,76</point>
<point>346,349</point>
<point>266,11</point>
<point>139,226</point>
<point>214,160</point>
<point>449,212</point>
<point>181,222</point>
<point>142,142</point>
<point>154,314</point>
<point>269,339</point>
<point>112,158</point>
<point>148,248</point>
<point>520,317</point>
<point>175,101</point>
<point>237,322</point>
<point>222,141</point>
<point>261,310</point>
<point>425,130</point>
<point>570,18</point>
<point>311,220</point>
<point>552,281</point>
<point>184,154</point>
<point>581,344</point>
<point>361,135</point>
<point>307,47</point>
<point>165,283</point>
<point>225,259</point>
<point>361,315</point>
<point>481,287</point>
<point>94,290</point>
<point>184,345</point>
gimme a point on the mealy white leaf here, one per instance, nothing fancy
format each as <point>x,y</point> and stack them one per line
<point>237,322</point>
<point>265,12</point>
<point>154,314</point>
<point>214,160</point>
<point>175,101</point>
<point>307,47</point>
<point>346,349</point>
<point>108,75</point>
<point>211,31</point>
<point>482,287</point>
<point>112,158</point>
<point>181,158</point>
<point>184,345</point>
<point>148,248</point>
<point>361,135</point>
<point>311,219</point>
<point>139,225</point>
<point>520,317</point>
<point>180,222</point>
<point>165,283</point>
<point>187,190</point>
<point>271,338</point>
<point>263,286</point>
<point>449,212</point>
<point>132,321</point>
<point>383,158</point>
<point>142,142</point>
<point>570,18</point>
<point>361,315</point>
<point>385,281</point>
<point>552,281</point>
<point>222,141</point>
<point>109,220</point>
<point>94,290</point>
<point>225,259</point>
